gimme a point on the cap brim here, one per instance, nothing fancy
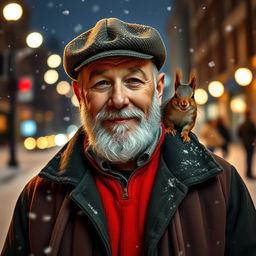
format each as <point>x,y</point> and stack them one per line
<point>114,53</point>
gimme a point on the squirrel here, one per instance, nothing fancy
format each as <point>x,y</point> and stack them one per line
<point>181,110</point>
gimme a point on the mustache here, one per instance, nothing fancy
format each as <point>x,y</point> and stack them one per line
<point>123,113</point>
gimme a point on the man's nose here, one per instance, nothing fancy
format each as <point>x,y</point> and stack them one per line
<point>118,98</point>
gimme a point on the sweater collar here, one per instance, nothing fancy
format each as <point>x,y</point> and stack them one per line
<point>190,163</point>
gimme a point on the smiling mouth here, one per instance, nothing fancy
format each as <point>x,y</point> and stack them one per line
<point>120,120</point>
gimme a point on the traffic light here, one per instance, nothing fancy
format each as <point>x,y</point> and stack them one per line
<point>25,89</point>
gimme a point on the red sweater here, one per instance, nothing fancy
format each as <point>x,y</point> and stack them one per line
<point>126,216</point>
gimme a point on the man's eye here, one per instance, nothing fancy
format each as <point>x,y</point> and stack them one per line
<point>101,84</point>
<point>133,81</point>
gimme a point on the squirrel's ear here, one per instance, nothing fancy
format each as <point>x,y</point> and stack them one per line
<point>192,81</point>
<point>177,80</point>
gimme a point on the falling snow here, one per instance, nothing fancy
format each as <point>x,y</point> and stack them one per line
<point>191,50</point>
<point>93,209</point>
<point>126,12</point>
<point>204,7</point>
<point>48,250</point>
<point>50,5</point>
<point>46,218</point>
<point>95,8</point>
<point>66,118</point>
<point>66,12</point>
<point>32,215</point>
<point>169,8</point>
<point>216,201</point>
<point>43,87</point>
<point>49,198</point>
<point>229,28</point>
<point>211,64</point>
<point>78,28</point>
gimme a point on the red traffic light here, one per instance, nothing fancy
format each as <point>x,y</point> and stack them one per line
<point>25,84</point>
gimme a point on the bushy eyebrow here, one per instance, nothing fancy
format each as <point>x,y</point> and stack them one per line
<point>132,70</point>
<point>138,70</point>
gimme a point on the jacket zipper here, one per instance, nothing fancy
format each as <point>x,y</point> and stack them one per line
<point>125,193</point>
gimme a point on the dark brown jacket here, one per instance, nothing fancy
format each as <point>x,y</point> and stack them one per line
<point>199,207</point>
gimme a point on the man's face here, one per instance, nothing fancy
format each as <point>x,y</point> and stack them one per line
<point>116,103</point>
<point>114,85</point>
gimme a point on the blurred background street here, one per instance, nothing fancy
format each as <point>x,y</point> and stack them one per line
<point>39,112</point>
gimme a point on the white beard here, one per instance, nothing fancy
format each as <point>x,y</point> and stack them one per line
<point>123,145</point>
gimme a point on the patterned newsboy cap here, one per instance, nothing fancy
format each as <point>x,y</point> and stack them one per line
<point>113,37</point>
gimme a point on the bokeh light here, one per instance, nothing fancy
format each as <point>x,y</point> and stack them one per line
<point>34,40</point>
<point>54,61</point>
<point>216,88</point>
<point>201,96</point>
<point>60,139</point>
<point>75,101</point>
<point>51,76</point>
<point>42,142</point>
<point>238,105</point>
<point>12,11</point>
<point>63,87</point>
<point>243,76</point>
<point>30,143</point>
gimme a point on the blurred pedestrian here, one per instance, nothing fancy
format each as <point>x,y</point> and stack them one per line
<point>224,132</point>
<point>210,135</point>
<point>247,134</point>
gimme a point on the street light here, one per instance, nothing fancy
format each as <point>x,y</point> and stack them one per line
<point>12,12</point>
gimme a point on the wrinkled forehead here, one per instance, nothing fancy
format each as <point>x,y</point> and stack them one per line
<point>185,91</point>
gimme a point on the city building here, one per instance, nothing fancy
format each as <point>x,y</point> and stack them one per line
<point>214,39</point>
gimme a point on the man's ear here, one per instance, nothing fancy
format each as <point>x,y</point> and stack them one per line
<point>76,90</point>
<point>160,87</point>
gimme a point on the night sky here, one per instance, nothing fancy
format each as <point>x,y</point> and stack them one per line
<point>65,19</point>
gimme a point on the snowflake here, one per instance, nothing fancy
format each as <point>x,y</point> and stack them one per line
<point>47,250</point>
<point>211,64</point>
<point>126,12</point>
<point>50,5</point>
<point>78,28</point>
<point>32,215</point>
<point>66,12</point>
<point>169,8</point>
<point>229,28</point>
<point>191,50</point>
<point>95,8</point>
<point>46,218</point>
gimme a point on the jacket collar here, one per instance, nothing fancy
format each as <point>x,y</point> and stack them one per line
<point>190,163</point>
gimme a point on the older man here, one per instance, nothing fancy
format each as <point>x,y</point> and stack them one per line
<point>122,186</point>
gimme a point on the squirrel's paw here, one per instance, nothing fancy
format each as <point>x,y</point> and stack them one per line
<point>185,136</point>
<point>171,131</point>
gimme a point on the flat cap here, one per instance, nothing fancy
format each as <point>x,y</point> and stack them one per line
<point>113,37</point>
